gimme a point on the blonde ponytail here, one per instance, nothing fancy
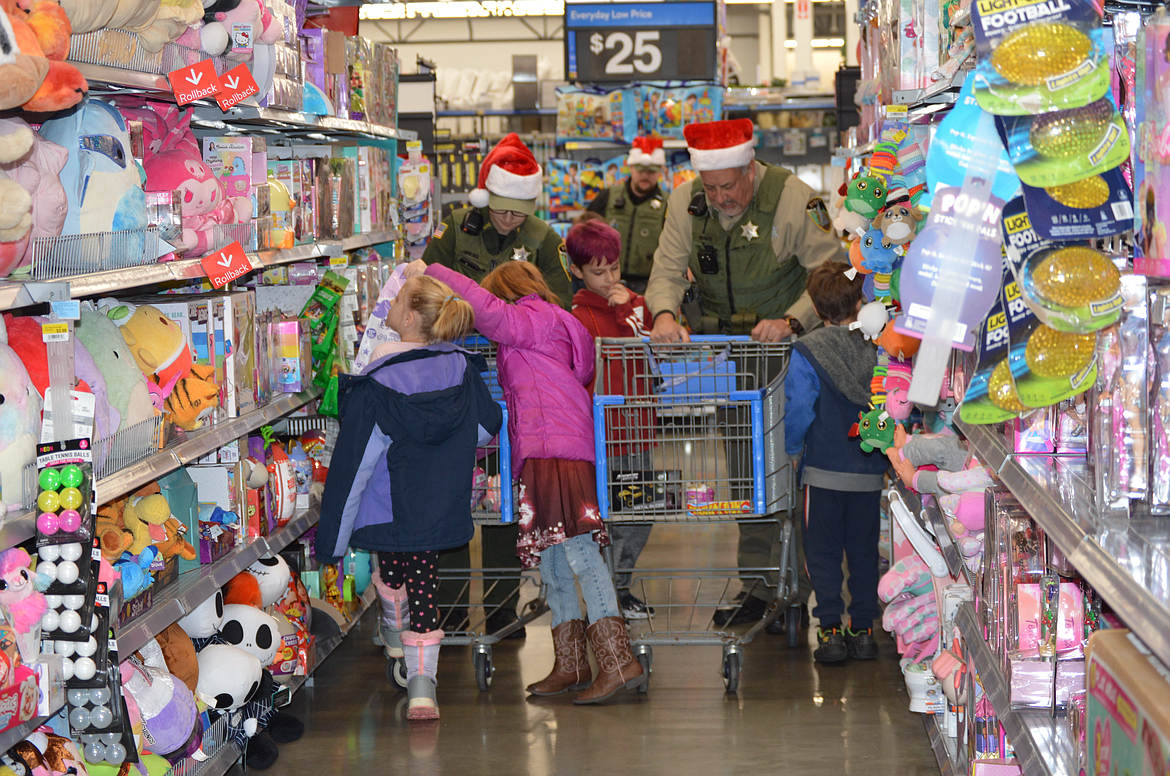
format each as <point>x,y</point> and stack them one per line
<point>444,315</point>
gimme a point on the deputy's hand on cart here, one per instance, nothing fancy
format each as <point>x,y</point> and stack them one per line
<point>667,329</point>
<point>772,330</point>
<point>416,267</point>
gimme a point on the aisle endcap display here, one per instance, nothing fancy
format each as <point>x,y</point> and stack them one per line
<point>1058,495</point>
<point>1040,741</point>
<point>198,444</point>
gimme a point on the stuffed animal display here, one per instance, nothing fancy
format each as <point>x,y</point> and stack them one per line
<point>40,29</point>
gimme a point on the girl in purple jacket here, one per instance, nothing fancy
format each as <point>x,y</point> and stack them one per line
<point>545,361</point>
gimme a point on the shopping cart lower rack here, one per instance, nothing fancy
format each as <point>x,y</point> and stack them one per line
<point>692,434</point>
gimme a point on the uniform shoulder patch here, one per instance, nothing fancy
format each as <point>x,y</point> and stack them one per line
<point>442,227</point>
<point>563,255</point>
<point>819,214</point>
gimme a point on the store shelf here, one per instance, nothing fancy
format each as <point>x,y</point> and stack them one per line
<point>220,762</point>
<point>18,527</point>
<point>198,444</point>
<point>461,114</point>
<point>795,103</point>
<point>196,586</point>
<point>942,745</point>
<point>1126,560</point>
<point>1040,741</point>
<point>325,648</point>
<point>855,151</point>
<point>15,294</point>
<point>935,522</point>
<point>278,121</point>
<point>14,735</point>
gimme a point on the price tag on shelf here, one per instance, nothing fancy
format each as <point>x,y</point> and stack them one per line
<point>55,332</point>
<point>67,309</point>
<point>339,262</point>
<point>194,82</point>
<point>225,266</point>
<point>236,85</point>
<point>896,110</point>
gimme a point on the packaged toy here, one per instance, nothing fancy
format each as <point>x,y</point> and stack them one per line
<point>596,114</point>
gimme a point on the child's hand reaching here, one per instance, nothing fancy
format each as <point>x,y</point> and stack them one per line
<point>618,295</point>
<point>416,267</point>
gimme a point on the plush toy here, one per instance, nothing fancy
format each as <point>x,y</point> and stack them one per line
<point>205,201</point>
<point>179,654</point>
<point>956,469</point>
<point>871,319</point>
<point>898,222</point>
<point>863,197</point>
<point>18,595</point>
<point>220,15</point>
<point>877,253</point>
<point>113,538</point>
<point>21,72</point>
<point>272,575</point>
<point>897,344</point>
<point>229,677</point>
<point>204,620</point>
<point>147,515</point>
<point>194,398</point>
<point>102,184</point>
<point>48,754</point>
<point>876,429</point>
<point>169,24</point>
<point>897,385</point>
<point>135,571</point>
<point>89,15</point>
<point>16,141</point>
<point>106,418</point>
<point>166,705</point>
<point>36,168</point>
<point>20,424</point>
<point>134,14</point>
<point>41,29</point>
<point>252,630</point>
<point>124,384</point>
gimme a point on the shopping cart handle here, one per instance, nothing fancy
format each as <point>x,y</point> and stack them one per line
<point>601,401</point>
<point>708,338</point>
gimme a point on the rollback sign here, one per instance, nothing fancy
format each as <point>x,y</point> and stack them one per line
<point>194,82</point>
<point>226,265</point>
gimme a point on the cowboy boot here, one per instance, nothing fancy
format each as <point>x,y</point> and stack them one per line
<point>617,668</point>
<point>422,668</point>
<point>395,617</point>
<point>570,661</point>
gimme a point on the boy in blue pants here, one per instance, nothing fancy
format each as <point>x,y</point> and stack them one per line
<point>827,386</point>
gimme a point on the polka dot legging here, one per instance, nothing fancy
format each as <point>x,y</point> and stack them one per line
<point>419,572</point>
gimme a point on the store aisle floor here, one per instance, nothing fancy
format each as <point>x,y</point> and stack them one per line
<point>789,716</point>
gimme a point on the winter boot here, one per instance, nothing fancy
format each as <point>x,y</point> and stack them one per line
<point>395,617</point>
<point>617,667</point>
<point>422,668</point>
<point>570,661</point>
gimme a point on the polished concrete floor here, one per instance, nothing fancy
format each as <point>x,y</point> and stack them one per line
<point>789,716</point>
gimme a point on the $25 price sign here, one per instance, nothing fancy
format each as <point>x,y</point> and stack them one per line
<point>622,41</point>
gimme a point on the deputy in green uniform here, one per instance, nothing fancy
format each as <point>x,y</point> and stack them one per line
<point>500,225</point>
<point>636,208</point>
<point>748,233</point>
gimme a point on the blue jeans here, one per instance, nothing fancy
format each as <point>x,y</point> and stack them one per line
<point>577,560</point>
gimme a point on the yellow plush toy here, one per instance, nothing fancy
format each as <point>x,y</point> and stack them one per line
<point>147,516</point>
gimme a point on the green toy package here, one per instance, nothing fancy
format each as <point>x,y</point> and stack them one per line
<point>991,396</point>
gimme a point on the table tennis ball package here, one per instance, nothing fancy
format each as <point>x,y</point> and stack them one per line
<point>1035,56</point>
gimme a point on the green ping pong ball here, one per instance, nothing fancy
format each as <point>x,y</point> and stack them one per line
<point>70,498</point>
<point>50,479</point>
<point>48,501</point>
<point>71,476</point>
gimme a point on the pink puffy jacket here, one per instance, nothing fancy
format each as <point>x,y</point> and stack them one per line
<point>545,359</point>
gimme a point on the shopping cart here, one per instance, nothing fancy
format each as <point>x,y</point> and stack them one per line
<point>465,621</point>
<point>708,416</point>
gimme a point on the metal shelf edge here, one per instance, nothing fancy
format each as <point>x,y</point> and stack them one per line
<point>1056,759</point>
<point>198,445</point>
<point>1147,616</point>
<point>18,528</point>
<point>326,648</point>
<point>946,765</point>
<point>14,735</point>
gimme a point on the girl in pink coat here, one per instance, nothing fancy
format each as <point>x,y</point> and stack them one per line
<point>545,360</point>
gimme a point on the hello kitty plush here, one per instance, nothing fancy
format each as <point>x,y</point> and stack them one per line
<point>205,202</point>
<point>17,592</point>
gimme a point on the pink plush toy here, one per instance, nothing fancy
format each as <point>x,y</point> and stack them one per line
<point>897,386</point>
<point>204,199</point>
<point>17,594</point>
<point>215,36</point>
<point>38,171</point>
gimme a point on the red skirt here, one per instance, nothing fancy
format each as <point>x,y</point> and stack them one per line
<point>558,500</point>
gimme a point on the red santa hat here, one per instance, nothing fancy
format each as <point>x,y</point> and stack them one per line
<point>720,145</point>
<point>647,152</point>
<point>509,172</point>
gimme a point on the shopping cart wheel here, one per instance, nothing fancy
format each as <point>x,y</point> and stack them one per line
<point>396,672</point>
<point>645,658</point>
<point>482,658</point>
<point>792,625</point>
<point>731,665</point>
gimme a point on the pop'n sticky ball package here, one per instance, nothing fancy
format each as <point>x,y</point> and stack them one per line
<point>1036,56</point>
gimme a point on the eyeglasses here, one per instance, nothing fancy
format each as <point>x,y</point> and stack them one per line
<point>513,213</point>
